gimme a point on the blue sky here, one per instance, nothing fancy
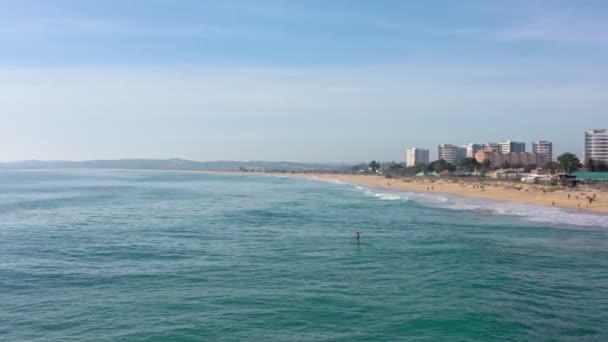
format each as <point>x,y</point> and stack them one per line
<point>296,80</point>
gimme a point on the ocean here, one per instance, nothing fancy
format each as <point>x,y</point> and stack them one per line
<point>103,255</point>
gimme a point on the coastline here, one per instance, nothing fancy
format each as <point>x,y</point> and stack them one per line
<point>490,189</point>
<point>494,190</point>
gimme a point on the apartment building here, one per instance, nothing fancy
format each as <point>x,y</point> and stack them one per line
<point>471,149</point>
<point>498,159</point>
<point>416,156</point>
<point>512,146</point>
<point>451,153</point>
<point>596,145</point>
<point>543,147</point>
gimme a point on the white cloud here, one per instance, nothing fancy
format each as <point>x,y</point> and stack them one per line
<point>34,29</point>
<point>563,29</point>
<point>43,28</point>
<point>393,90</point>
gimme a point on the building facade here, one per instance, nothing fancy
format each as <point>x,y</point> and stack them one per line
<point>416,156</point>
<point>498,159</point>
<point>512,146</point>
<point>451,153</point>
<point>494,147</point>
<point>596,145</point>
<point>471,149</point>
<point>543,147</point>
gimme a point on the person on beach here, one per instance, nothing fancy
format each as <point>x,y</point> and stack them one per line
<point>357,236</point>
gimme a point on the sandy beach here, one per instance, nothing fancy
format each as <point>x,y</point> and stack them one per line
<point>572,198</point>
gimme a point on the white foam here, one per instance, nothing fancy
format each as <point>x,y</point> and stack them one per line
<point>332,181</point>
<point>385,196</point>
<point>528,212</point>
<point>525,211</point>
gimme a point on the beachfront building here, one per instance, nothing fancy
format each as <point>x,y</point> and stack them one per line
<point>494,157</point>
<point>498,159</point>
<point>543,147</point>
<point>596,145</point>
<point>494,147</point>
<point>471,149</point>
<point>416,156</point>
<point>512,146</point>
<point>451,153</point>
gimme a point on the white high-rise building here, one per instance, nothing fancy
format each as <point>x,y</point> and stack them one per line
<point>451,153</point>
<point>596,145</point>
<point>494,147</point>
<point>416,156</point>
<point>512,146</point>
<point>471,149</point>
<point>543,147</point>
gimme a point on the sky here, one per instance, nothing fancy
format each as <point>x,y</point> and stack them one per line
<point>312,81</point>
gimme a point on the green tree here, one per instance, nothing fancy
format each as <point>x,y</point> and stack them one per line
<point>356,168</point>
<point>416,169</point>
<point>468,164</point>
<point>568,162</point>
<point>439,166</point>
<point>394,169</point>
<point>374,166</point>
<point>596,165</point>
<point>485,166</point>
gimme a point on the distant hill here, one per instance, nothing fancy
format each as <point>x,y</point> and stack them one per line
<point>173,164</point>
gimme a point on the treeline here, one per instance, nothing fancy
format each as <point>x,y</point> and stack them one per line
<point>566,162</point>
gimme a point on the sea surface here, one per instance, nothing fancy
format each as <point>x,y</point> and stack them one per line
<point>90,255</point>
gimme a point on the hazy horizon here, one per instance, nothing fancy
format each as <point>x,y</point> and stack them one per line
<point>303,82</point>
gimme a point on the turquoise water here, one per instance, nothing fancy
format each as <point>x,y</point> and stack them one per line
<point>160,256</point>
<point>592,175</point>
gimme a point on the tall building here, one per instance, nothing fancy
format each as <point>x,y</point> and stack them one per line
<point>471,149</point>
<point>416,156</point>
<point>461,153</point>
<point>494,147</point>
<point>512,146</point>
<point>451,153</point>
<point>596,145</point>
<point>543,147</point>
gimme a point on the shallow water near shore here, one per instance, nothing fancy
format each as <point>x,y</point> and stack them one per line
<point>89,255</point>
<point>559,217</point>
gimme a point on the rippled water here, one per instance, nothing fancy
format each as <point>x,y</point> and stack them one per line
<point>169,256</point>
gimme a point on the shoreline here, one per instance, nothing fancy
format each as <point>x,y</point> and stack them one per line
<point>493,190</point>
<point>488,189</point>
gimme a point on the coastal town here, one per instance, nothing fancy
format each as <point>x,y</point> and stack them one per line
<point>496,171</point>
<point>509,160</point>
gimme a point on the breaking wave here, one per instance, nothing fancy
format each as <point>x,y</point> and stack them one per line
<point>527,212</point>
